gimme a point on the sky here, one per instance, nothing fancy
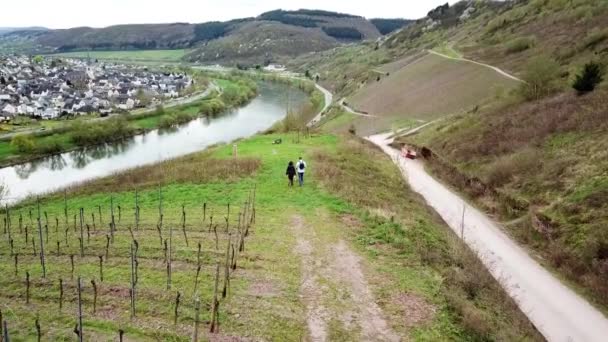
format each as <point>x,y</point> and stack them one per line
<point>101,13</point>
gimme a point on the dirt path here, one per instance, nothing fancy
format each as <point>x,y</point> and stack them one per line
<point>557,311</point>
<point>354,112</point>
<point>316,314</point>
<point>329,98</point>
<point>324,266</point>
<point>498,70</point>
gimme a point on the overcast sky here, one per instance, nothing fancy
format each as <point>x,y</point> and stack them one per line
<point>100,13</point>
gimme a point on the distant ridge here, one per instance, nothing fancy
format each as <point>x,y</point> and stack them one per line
<point>270,37</point>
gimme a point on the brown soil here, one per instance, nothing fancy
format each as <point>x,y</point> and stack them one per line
<point>414,309</point>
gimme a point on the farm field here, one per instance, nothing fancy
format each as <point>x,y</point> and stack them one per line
<point>129,56</point>
<point>401,259</point>
<point>426,89</point>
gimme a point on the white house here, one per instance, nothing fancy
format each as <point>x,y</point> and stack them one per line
<point>9,109</point>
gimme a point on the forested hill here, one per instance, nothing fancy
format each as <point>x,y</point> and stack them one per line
<point>311,30</point>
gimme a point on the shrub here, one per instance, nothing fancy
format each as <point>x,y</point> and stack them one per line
<point>89,133</point>
<point>589,78</point>
<point>519,44</point>
<point>539,78</point>
<point>50,145</point>
<point>23,143</point>
<point>174,119</point>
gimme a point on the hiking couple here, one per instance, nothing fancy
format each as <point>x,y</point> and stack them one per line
<point>298,168</point>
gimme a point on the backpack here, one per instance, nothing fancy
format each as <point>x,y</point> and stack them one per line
<point>301,166</point>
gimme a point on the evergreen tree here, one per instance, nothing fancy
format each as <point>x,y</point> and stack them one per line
<point>589,78</point>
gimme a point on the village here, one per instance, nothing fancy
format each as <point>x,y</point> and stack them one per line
<point>49,88</point>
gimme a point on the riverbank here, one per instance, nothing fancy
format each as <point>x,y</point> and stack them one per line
<point>235,92</point>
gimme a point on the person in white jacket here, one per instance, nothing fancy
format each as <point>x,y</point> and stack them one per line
<point>300,169</point>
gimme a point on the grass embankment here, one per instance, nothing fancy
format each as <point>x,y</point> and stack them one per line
<point>541,167</point>
<point>235,92</point>
<point>128,56</point>
<point>427,284</point>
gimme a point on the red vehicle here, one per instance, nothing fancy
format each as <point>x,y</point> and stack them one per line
<point>407,153</point>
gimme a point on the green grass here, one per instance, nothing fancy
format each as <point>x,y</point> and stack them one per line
<point>129,56</point>
<point>392,249</point>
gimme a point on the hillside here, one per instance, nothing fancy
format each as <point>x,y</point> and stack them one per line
<point>273,36</point>
<point>457,86</point>
<point>355,253</point>
<point>532,154</point>
<point>261,42</point>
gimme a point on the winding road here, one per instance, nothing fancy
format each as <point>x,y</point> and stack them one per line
<point>498,70</point>
<point>557,312</point>
<point>329,98</point>
<point>354,112</point>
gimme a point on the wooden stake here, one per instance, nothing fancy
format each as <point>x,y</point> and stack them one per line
<point>67,244</point>
<point>101,268</point>
<point>94,296</point>
<point>184,224</point>
<point>177,301</point>
<point>227,268</point>
<point>65,207</point>
<point>215,304</point>
<point>42,261</point>
<point>107,246</point>
<point>197,311</point>
<point>204,213</point>
<point>6,337</point>
<point>27,287</point>
<point>112,223</point>
<point>81,213</point>
<point>136,210</point>
<point>16,263</point>
<point>80,330</point>
<point>60,294</point>
<point>133,281</point>
<point>169,256</point>
<point>38,330</point>
<point>72,266</point>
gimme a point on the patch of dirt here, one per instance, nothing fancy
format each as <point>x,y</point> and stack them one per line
<point>346,267</point>
<point>108,312</point>
<point>351,221</point>
<point>262,288</point>
<point>316,314</point>
<point>116,292</point>
<point>414,309</point>
<point>226,338</point>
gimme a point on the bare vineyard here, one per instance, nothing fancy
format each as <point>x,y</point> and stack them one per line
<point>139,270</point>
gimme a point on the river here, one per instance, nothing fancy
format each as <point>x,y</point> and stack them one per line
<point>59,171</point>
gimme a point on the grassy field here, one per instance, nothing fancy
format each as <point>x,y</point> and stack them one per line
<point>426,285</point>
<point>129,56</point>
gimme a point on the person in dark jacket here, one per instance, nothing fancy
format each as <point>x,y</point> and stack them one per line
<point>291,173</point>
